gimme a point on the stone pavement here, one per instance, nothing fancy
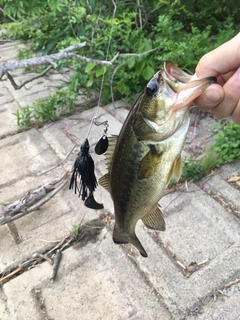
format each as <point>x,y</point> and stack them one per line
<point>193,268</point>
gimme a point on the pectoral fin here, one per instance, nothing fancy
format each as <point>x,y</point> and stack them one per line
<point>176,170</point>
<point>150,163</point>
<point>154,219</point>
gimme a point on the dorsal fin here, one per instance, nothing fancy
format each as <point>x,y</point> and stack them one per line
<point>154,219</point>
<point>110,151</point>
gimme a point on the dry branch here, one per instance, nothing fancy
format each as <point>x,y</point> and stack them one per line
<point>56,263</point>
<point>50,61</point>
<point>17,87</point>
<point>32,201</point>
<point>39,61</point>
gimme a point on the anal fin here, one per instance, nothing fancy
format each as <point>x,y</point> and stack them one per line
<point>154,219</point>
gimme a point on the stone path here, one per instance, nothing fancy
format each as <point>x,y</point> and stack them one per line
<point>193,268</point>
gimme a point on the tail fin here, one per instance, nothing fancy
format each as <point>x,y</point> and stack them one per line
<point>120,238</point>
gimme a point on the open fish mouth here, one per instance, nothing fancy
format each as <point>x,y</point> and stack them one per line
<point>172,73</point>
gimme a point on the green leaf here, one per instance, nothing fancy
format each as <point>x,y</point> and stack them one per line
<point>89,67</point>
<point>90,82</point>
<point>131,62</point>
<point>121,88</point>
<point>147,73</point>
<point>100,71</point>
<point>139,67</point>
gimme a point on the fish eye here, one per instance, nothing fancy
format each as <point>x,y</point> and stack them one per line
<point>152,88</point>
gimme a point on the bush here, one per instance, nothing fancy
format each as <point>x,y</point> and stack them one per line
<point>227,142</point>
<point>181,31</point>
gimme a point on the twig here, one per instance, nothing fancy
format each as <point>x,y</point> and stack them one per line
<point>11,18</point>
<point>10,275</point>
<point>111,81</point>
<point>44,257</point>
<point>38,205</point>
<point>56,263</point>
<point>231,283</point>
<point>140,14</point>
<point>136,54</point>
<point>17,87</point>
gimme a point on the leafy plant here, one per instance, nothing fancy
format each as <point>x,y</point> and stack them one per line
<point>62,102</point>
<point>76,230</point>
<point>177,30</point>
<point>227,142</point>
<point>192,170</point>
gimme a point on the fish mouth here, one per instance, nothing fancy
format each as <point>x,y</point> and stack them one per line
<point>173,75</point>
<point>180,82</point>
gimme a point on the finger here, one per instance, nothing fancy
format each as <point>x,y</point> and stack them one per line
<point>213,95</point>
<point>231,97</point>
<point>236,114</point>
<point>220,79</point>
<point>221,60</point>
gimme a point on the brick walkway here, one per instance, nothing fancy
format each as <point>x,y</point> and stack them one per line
<point>193,267</point>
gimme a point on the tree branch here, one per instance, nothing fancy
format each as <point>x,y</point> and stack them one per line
<point>32,201</point>
<point>51,61</point>
<point>37,61</point>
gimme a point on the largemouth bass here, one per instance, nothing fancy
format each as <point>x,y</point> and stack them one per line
<point>147,153</point>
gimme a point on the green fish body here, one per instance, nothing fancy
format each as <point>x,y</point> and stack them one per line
<point>147,153</point>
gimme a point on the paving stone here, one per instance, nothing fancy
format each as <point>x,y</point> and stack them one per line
<point>100,291</point>
<point>37,231</point>
<point>180,294</point>
<point>218,183</point>
<point>200,133</point>
<point>5,96</point>
<point>118,109</point>
<point>9,50</point>
<point>24,154</point>
<point>8,122</point>
<point>47,83</point>
<point>198,227</point>
<point>95,283</point>
<point>3,309</point>
<point>224,305</point>
<point>21,298</point>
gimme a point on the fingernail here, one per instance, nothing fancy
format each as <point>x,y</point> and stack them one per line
<point>212,97</point>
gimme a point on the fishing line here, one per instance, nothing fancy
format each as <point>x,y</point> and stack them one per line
<point>107,54</point>
<point>83,177</point>
<point>97,115</point>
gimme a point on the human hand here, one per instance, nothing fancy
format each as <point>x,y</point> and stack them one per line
<point>222,98</point>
